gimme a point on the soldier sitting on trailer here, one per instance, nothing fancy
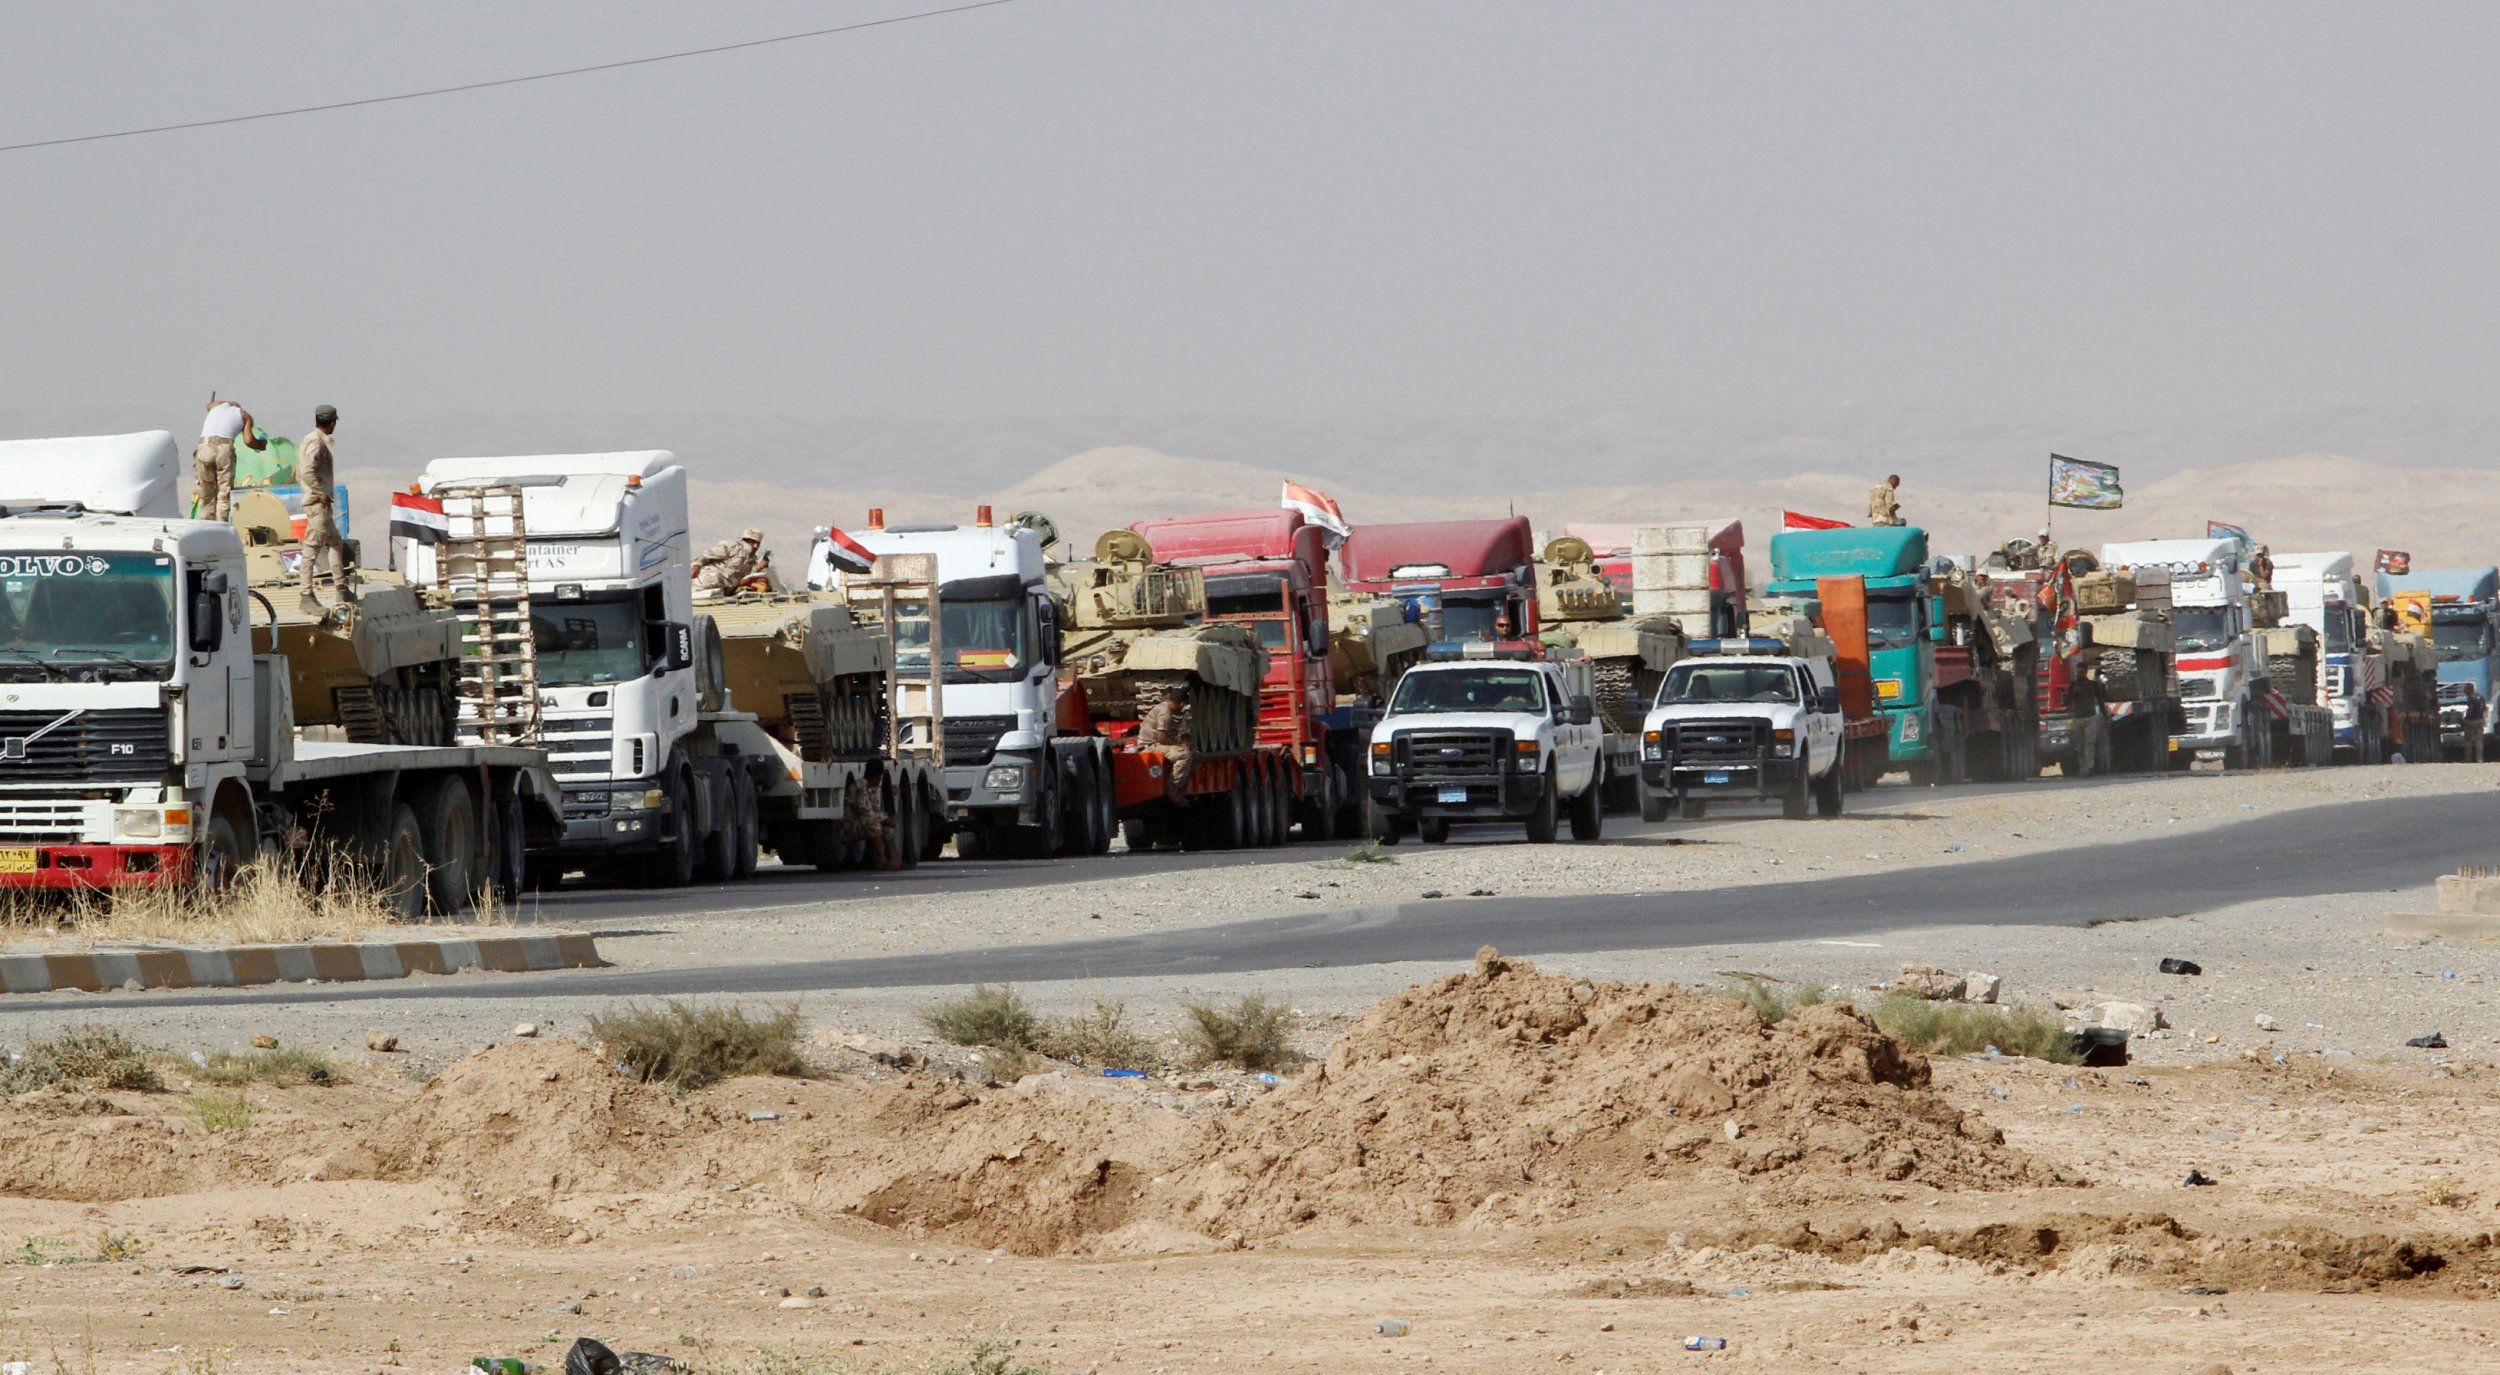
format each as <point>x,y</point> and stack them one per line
<point>1165,727</point>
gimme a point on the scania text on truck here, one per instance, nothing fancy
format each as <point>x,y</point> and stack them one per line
<point>143,742</point>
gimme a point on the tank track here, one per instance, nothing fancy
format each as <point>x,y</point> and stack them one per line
<point>1221,721</point>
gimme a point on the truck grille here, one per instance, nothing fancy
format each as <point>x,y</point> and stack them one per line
<point>2199,687</point>
<point>132,744</point>
<point>973,739</point>
<point>579,747</point>
<point>2339,680</point>
<point>1715,742</point>
<point>2457,694</point>
<point>47,818</point>
<point>1454,751</point>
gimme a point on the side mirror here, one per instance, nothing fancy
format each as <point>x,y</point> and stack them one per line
<point>677,646</point>
<point>208,618</point>
<point>1827,701</point>
<point>213,583</point>
<point>1583,710</point>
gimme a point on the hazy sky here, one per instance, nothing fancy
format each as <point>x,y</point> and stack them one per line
<point>1432,207</point>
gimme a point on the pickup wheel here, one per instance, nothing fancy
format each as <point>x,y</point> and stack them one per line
<point>1655,807</point>
<point>1827,789</point>
<point>1588,810</point>
<point>1389,830</point>
<point>1545,820</point>
<point>1797,803</point>
<point>1433,830</point>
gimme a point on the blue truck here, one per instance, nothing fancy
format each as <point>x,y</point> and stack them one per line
<point>2461,604</point>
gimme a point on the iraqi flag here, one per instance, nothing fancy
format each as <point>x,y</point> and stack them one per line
<point>847,555</point>
<point>418,518</point>
<point>1319,509</point>
<point>1794,520</point>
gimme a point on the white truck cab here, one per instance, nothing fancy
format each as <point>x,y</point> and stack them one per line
<point>1744,719</point>
<point>2219,667</point>
<point>1485,731</point>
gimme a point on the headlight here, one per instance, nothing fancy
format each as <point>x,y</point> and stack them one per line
<point>1785,740</point>
<point>642,800</point>
<point>1912,728</point>
<point>139,823</point>
<point>1004,778</point>
<point>1380,757</point>
<point>1652,746</point>
<point>1523,754</point>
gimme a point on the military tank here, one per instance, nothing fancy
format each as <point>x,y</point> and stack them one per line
<point>376,671</point>
<point>1130,628</point>
<point>1371,641</point>
<point>812,673</point>
<point>1577,608</point>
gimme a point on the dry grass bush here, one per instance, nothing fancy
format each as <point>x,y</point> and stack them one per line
<point>685,1045</point>
<point>1097,1037</point>
<point>986,1016</point>
<point>1774,1005</point>
<point>283,1066</point>
<point>1253,1034</point>
<point>221,1110</point>
<point>273,902</point>
<point>1964,1028</point>
<point>93,1058</point>
<point>1016,1040</point>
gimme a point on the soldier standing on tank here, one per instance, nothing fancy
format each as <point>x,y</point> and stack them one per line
<point>1883,502</point>
<point>316,468</point>
<point>2261,569</point>
<point>723,567</point>
<point>212,461</point>
<point>1165,727</point>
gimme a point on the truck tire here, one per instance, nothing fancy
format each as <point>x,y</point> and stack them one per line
<point>223,851</point>
<point>1545,818</point>
<point>671,863</point>
<point>400,871</point>
<point>1692,808</point>
<point>511,859</point>
<point>1317,815</point>
<point>1106,798</point>
<point>1656,807</point>
<point>1588,810</point>
<point>1433,830</point>
<point>1827,789</point>
<point>454,845</point>
<point>748,827</point>
<point>716,850</point>
<point>1279,791</point>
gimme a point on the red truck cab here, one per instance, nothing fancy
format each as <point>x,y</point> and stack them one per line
<point>1462,577</point>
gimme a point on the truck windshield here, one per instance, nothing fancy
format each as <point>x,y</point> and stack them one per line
<point>1470,689</point>
<point>596,640</point>
<point>2460,641</point>
<point>1473,619</point>
<point>2202,627</point>
<point>985,640</point>
<point>1688,683</point>
<point>2338,621</point>
<point>1892,620</point>
<point>89,613</point>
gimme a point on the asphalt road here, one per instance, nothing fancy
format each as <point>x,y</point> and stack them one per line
<point>2386,845</point>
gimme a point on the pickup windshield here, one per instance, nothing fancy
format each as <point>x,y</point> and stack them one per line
<point>2202,627</point>
<point>1892,620</point>
<point>1471,689</point>
<point>86,615</point>
<point>595,640</point>
<point>1689,683</point>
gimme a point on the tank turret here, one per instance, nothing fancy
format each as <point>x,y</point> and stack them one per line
<point>1130,628</point>
<point>1580,610</point>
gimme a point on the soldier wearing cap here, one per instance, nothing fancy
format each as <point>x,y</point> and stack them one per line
<point>1883,503</point>
<point>720,569</point>
<point>316,469</point>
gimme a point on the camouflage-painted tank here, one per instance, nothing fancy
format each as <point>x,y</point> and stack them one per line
<point>1371,641</point>
<point>1129,628</point>
<point>1578,609</point>
<point>377,670</point>
<point>813,675</point>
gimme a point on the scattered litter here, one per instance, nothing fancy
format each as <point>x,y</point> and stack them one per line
<point>2181,967</point>
<point>1481,893</point>
<point>760,1115</point>
<point>2434,1041</point>
<point>2074,1107</point>
<point>1433,893</point>
<point>2266,1023</point>
<point>499,1365</point>
<point>1953,849</point>
<point>1997,1092</point>
<point>230,1282</point>
<point>1264,1077</point>
<point>1124,1074</point>
<point>198,1060</point>
<point>1705,1343</point>
<point>2206,1290</point>
<point>1393,1327</point>
<point>1740,1293</point>
<point>2197,1179</point>
<point>1309,894</point>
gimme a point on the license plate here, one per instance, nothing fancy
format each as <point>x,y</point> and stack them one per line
<point>17,861</point>
<point>1453,794</point>
<point>1714,778</point>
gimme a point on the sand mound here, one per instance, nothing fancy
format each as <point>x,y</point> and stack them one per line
<point>1504,1095</point>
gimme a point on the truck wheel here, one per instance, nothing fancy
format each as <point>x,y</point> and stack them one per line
<point>1278,795</point>
<point>1692,808</point>
<point>1797,803</point>
<point>1545,819</point>
<point>1827,790</point>
<point>511,859</point>
<point>672,864</point>
<point>223,853</point>
<point>749,827</point>
<point>402,868</point>
<point>1433,830</point>
<point>1655,807</point>
<point>454,845</point>
<point>1139,835</point>
<point>1588,810</point>
<point>1106,799</point>
<point>1318,817</point>
<point>716,850</point>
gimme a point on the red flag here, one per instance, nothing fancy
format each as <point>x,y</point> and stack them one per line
<point>1791,520</point>
<point>848,555</point>
<point>1319,509</point>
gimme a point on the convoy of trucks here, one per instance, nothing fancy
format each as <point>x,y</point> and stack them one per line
<point>534,688</point>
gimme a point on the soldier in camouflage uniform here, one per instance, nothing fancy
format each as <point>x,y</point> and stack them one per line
<point>316,469</point>
<point>1883,503</point>
<point>1165,727</point>
<point>720,569</point>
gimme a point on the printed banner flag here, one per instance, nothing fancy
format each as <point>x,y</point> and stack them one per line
<point>1319,509</point>
<point>846,554</point>
<point>2223,529</point>
<point>1792,520</point>
<point>418,518</point>
<point>2083,484</point>
<point>2395,561</point>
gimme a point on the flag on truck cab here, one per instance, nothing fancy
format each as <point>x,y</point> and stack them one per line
<point>1794,520</point>
<point>846,554</point>
<point>418,518</point>
<point>1319,509</point>
<point>2084,485</point>
<point>2395,561</point>
<point>2223,529</point>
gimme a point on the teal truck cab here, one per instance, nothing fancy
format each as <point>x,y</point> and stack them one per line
<point>1901,659</point>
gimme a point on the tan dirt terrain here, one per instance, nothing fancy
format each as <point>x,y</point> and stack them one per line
<point>1535,1172</point>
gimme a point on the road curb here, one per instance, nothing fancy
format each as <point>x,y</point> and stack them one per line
<point>243,966</point>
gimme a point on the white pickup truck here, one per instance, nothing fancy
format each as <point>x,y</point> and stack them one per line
<point>1489,732</point>
<point>1741,719</point>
